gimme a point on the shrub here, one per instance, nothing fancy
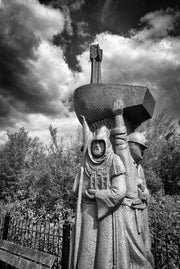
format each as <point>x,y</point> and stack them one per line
<point>164,219</point>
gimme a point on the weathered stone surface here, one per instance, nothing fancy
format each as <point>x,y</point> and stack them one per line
<point>95,102</point>
<point>111,229</point>
<point>96,59</point>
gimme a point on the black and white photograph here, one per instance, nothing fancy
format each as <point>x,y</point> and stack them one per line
<point>89,134</point>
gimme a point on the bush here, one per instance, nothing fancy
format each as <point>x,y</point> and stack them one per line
<point>162,158</point>
<point>36,177</point>
<point>164,219</point>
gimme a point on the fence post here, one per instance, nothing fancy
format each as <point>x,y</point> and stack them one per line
<point>6,227</point>
<point>66,245</point>
<point>167,255</point>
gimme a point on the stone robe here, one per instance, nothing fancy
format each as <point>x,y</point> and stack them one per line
<point>102,234</point>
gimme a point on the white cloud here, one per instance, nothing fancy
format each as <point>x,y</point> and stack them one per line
<point>158,24</point>
<point>38,126</point>
<point>52,71</point>
<point>47,80</point>
<point>68,22</point>
<point>3,137</point>
<point>45,21</point>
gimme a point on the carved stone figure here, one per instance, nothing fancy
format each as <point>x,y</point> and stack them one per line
<point>131,149</point>
<point>103,188</point>
<point>111,228</point>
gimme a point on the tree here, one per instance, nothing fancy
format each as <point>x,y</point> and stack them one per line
<point>162,159</point>
<point>15,157</point>
<point>168,168</point>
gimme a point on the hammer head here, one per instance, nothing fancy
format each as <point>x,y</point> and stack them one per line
<point>95,102</point>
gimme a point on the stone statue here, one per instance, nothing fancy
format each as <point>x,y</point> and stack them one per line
<point>130,150</point>
<point>103,190</point>
<point>111,228</point>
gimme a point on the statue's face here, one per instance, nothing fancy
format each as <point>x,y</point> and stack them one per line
<point>137,151</point>
<point>98,148</point>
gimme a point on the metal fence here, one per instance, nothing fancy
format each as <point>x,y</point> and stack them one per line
<point>54,237</point>
<point>48,236</point>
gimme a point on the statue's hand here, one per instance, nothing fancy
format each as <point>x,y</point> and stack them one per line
<point>143,195</point>
<point>118,107</point>
<point>89,193</point>
<point>92,191</point>
<point>83,118</point>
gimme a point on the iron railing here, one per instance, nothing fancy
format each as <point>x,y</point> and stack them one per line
<point>54,237</point>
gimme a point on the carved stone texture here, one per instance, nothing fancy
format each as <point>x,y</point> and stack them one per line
<point>96,59</point>
<point>95,102</point>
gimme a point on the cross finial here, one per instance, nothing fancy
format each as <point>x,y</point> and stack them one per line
<point>96,59</point>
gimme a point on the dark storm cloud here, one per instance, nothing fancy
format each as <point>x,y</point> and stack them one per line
<point>23,27</point>
<point>35,78</point>
<point>17,45</point>
<point>4,107</point>
<point>116,17</point>
<point>76,35</point>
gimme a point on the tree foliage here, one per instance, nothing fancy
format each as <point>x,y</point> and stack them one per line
<point>162,159</point>
<point>36,180</point>
<point>39,175</point>
<point>15,161</point>
<point>164,219</point>
<point>42,175</point>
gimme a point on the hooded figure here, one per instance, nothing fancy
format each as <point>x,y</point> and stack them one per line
<point>101,230</point>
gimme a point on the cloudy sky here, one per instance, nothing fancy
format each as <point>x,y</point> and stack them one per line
<point>44,56</point>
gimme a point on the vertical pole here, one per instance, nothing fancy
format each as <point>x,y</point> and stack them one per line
<point>36,236</point>
<point>44,238</point>
<point>19,232</point>
<point>40,230</point>
<point>99,60</point>
<point>66,245</point>
<point>6,227</point>
<point>31,232</point>
<point>93,70</point>
<point>96,58</point>
<point>167,254</point>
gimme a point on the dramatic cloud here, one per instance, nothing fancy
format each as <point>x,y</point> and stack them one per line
<point>36,82</point>
<point>158,25</point>
<point>34,77</point>
<point>149,57</point>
